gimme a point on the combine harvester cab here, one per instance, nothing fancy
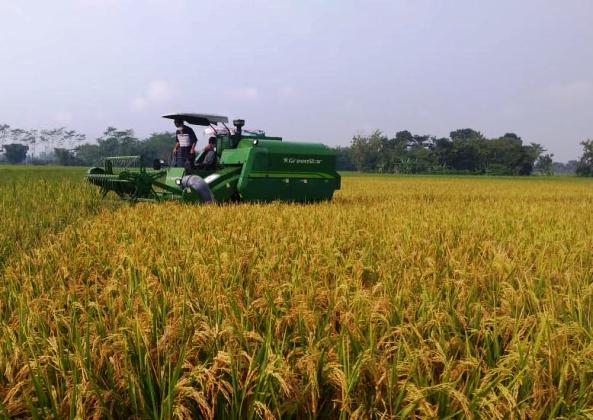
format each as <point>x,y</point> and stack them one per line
<point>250,166</point>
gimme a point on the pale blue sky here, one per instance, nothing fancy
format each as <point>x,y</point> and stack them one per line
<point>306,70</point>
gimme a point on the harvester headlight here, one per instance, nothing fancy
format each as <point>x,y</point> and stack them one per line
<point>178,182</point>
<point>255,141</point>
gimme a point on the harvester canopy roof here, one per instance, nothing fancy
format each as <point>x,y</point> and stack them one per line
<point>198,119</point>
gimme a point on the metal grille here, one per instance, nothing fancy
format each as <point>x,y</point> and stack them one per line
<point>122,163</point>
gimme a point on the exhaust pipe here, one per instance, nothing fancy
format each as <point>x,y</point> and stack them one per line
<point>238,126</point>
<point>238,131</point>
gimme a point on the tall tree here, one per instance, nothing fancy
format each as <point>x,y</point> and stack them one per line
<point>526,162</point>
<point>403,139</point>
<point>65,157</point>
<point>88,154</point>
<point>442,148</point>
<point>545,164</point>
<point>20,136</point>
<point>15,152</point>
<point>366,151</point>
<point>157,146</point>
<point>468,151</point>
<point>344,159</point>
<point>4,134</point>
<point>466,134</point>
<point>116,142</point>
<point>505,155</point>
<point>61,138</point>
<point>585,163</point>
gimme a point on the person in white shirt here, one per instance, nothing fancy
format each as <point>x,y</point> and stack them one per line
<point>185,144</point>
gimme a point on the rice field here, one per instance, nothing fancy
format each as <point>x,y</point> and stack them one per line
<point>404,297</point>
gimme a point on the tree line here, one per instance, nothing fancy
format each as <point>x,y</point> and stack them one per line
<point>465,151</point>
<point>69,148</point>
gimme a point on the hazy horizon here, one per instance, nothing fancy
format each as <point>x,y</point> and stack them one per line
<point>304,70</point>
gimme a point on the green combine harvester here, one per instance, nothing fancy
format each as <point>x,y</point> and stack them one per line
<point>248,166</point>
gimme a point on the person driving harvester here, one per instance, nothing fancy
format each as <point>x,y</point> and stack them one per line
<point>185,144</point>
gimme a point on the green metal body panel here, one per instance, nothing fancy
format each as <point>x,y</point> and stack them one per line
<point>236,156</point>
<point>276,170</point>
<point>172,175</point>
<point>223,183</point>
<point>250,168</point>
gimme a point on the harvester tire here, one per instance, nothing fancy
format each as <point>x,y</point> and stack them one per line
<point>199,186</point>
